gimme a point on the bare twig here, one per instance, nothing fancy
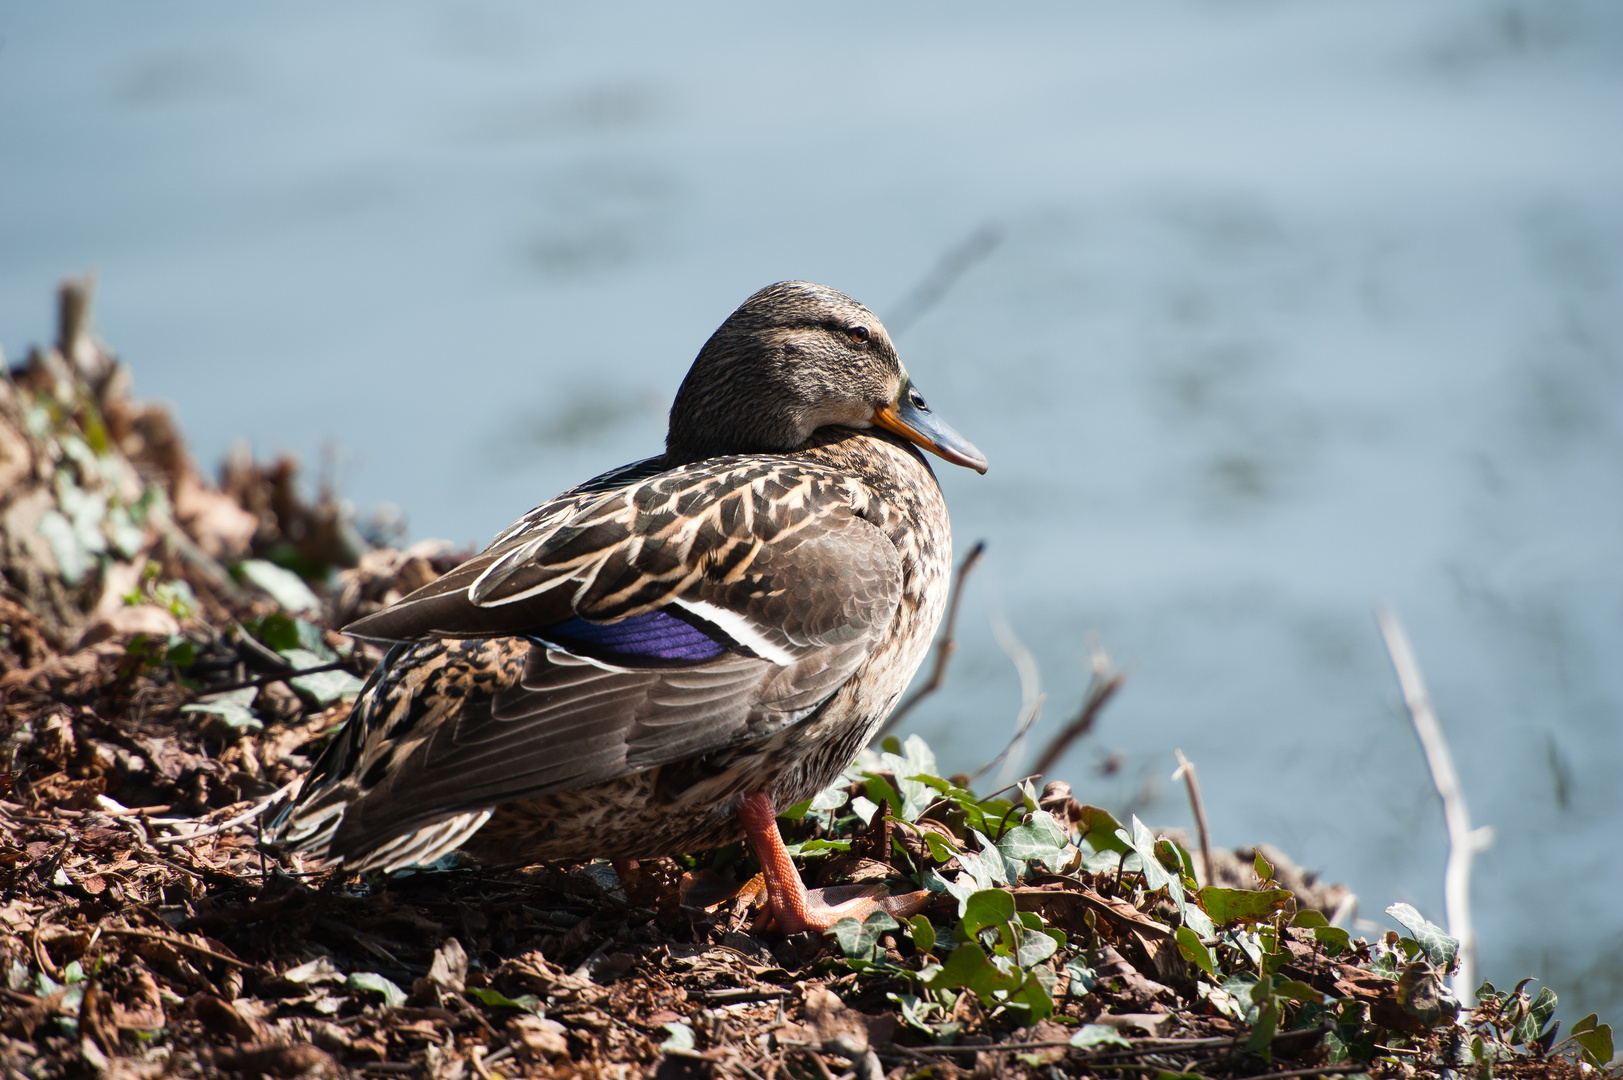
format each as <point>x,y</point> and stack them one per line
<point>1031,703</point>
<point>946,272</point>
<point>179,943</point>
<point>1147,1046</point>
<point>944,648</point>
<point>247,815</point>
<point>1463,840</point>
<point>281,676</point>
<point>1186,770</point>
<point>1103,686</point>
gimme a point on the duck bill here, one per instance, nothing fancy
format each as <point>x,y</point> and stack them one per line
<point>909,417</point>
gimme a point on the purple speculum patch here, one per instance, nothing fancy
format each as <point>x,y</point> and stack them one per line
<point>656,639</point>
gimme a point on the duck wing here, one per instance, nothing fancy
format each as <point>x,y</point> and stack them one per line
<point>677,615</point>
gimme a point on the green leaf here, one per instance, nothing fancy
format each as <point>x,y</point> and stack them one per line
<point>1002,871</point>
<point>277,631</point>
<point>497,999</point>
<point>1596,1044</point>
<point>1299,991</point>
<point>374,983</point>
<point>231,707</point>
<point>323,687</point>
<point>796,812</point>
<point>1543,1007</point>
<point>1099,828</point>
<point>940,850</point>
<point>1309,918</point>
<point>859,940</point>
<point>1230,906</point>
<point>1040,837</point>
<point>1142,841</point>
<point>1173,857</point>
<point>181,652</point>
<point>989,907</point>
<point>1262,1033</point>
<point>1263,868</point>
<point>1035,947</point>
<point>879,790</point>
<point>830,798</point>
<point>1334,939</point>
<point>923,933</point>
<point>1194,951</point>
<point>1082,978</point>
<point>818,846</point>
<point>1098,1035</point>
<point>1197,920</point>
<point>680,1036</point>
<point>284,586</point>
<point>960,968</point>
<point>1034,996</point>
<point>1440,949</point>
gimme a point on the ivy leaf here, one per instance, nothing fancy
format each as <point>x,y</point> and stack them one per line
<point>1297,990</point>
<point>277,631</point>
<point>1035,947</point>
<point>284,586</point>
<point>1100,828</point>
<point>1194,950</point>
<point>940,850</point>
<point>497,999</point>
<point>989,907</point>
<point>1083,978</point>
<point>859,940</point>
<point>1142,841</point>
<point>232,708</point>
<point>1262,1033</point>
<point>922,932</point>
<point>371,982</point>
<point>320,688</point>
<point>1596,1044</point>
<point>966,960</point>
<point>1035,995</point>
<point>1038,838</point>
<point>1002,871</point>
<point>678,1037</point>
<point>1098,1035</point>
<point>1334,939</point>
<point>818,846</point>
<point>1440,949</point>
<point>1230,906</point>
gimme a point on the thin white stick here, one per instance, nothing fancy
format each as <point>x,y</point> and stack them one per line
<point>1463,841</point>
<point>247,815</point>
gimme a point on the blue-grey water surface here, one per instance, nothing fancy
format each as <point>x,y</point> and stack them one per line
<point>1267,312</point>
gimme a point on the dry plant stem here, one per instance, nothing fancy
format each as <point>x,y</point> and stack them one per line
<point>1186,769</point>
<point>1463,840</point>
<point>944,648</point>
<point>179,943</point>
<point>951,266</point>
<point>281,676</point>
<point>1106,682</point>
<point>246,816</point>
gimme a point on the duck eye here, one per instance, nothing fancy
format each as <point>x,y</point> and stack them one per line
<point>917,399</point>
<point>858,334</point>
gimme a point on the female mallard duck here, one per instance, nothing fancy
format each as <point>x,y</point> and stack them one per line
<point>655,661</point>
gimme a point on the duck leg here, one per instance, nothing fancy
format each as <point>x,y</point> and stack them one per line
<point>792,907</point>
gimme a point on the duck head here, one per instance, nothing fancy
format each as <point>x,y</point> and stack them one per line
<point>793,358</point>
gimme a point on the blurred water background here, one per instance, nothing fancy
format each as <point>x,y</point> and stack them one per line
<point>1263,312</point>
